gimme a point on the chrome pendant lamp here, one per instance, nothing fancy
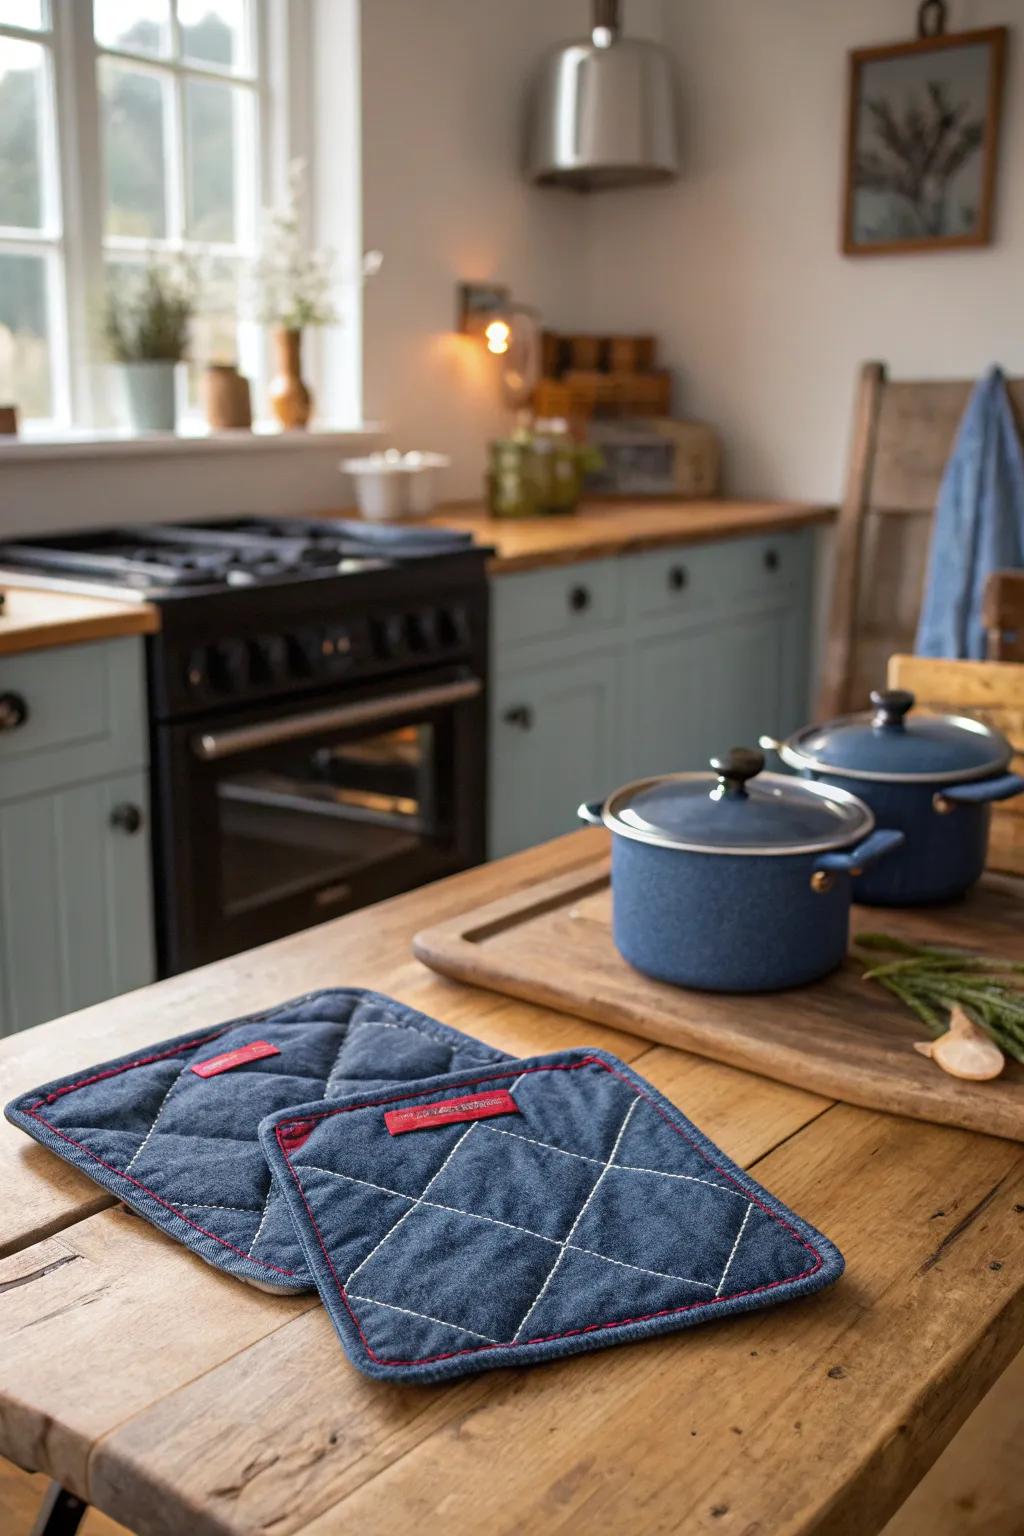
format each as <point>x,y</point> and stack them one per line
<point>602,113</point>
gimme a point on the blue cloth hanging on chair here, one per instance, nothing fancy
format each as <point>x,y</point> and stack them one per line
<point>979,524</point>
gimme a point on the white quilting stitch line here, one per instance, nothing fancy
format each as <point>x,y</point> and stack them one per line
<point>736,1244</point>
<point>406,1214</point>
<point>689,1178</point>
<point>263,1218</point>
<point>425,1316</point>
<point>455,1210</point>
<point>163,1102</point>
<point>205,1205</point>
<point>582,1212</point>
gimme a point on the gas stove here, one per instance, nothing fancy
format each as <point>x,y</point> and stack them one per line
<point>317,713</point>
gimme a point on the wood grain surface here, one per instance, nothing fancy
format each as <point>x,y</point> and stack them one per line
<point>34,620</point>
<point>177,1399</point>
<point>841,1037</point>
<point>603,528</point>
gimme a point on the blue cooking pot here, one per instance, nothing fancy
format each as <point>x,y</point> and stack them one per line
<point>735,880</point>
<point>934,777</point>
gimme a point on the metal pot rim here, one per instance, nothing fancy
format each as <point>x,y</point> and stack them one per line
<point>790,753</point>
<point>774,850</point>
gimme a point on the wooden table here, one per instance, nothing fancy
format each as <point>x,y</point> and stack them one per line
<point>176,1399</point>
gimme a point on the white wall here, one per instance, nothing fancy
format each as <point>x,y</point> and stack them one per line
<point>737,266</point>
<point>443,198</point>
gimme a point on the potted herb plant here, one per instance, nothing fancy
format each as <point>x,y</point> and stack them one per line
<point>146,326</point>
<point>293,286</point>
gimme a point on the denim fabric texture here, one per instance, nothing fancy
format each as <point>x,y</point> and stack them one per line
<point>183,1150</point>
<point>979,524</point>
<point>591,1214</point>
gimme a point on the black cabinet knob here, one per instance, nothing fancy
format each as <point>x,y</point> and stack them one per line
<point>677,578</point>
<point>771,560</point>
<point>579,599</point>
<point>13,711</point>
<point>520,715</point>
<point>126,818</point>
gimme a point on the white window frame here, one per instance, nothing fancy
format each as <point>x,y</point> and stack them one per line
<point>74,242</point>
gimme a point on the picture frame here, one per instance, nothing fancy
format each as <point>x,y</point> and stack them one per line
<point>921,143</point>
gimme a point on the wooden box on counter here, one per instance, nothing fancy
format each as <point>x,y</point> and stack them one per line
<point>992,691</point>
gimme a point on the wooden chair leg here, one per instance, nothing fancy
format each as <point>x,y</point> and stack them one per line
<point>60,1513</point>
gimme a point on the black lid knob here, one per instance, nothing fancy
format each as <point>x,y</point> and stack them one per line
<point>735,767</point>
<point>890,705</point>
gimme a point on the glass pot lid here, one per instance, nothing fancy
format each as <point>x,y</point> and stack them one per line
<point>891,743</point>
<point>736,808</point>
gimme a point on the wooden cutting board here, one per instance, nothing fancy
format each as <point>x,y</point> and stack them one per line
<point>843,1037</point>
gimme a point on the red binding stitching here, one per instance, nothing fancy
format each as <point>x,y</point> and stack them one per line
<point>127,1066</point>
<point>622,1322</point>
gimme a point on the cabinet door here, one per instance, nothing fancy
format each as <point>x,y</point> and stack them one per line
<point>553,743</point>
<point>697,690</point>
<point>75,899</point>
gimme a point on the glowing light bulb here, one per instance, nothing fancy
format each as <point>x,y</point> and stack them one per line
<point>496,334</point>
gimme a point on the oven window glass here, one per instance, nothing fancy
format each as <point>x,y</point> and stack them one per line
<point>315,817</point>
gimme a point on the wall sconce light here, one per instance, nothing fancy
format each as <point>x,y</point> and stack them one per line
<point>508,330</point>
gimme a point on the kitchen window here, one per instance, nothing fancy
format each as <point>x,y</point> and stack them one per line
<point>127,127</point>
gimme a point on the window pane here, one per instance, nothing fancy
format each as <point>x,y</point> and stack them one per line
<point>141,26</point>
<point>21,113</point>
<point>22,13</point>
<point>25,379</point>
<point>134,154</point>
<point>214,32</point>
<point>211,133</point>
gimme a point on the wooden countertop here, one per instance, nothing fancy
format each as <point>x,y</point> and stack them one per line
<point>34,619</point>
<point>119,1350</point>
<point>602,528</point>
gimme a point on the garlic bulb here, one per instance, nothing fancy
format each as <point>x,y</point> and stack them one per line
<point>965,1050</point>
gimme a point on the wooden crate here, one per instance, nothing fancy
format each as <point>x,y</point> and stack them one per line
<point>992,691</point>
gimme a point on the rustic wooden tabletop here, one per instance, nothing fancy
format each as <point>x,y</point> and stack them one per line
<point>174,1398</point>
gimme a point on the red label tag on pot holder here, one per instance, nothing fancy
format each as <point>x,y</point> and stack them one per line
<point>254,1051</point>
<point>475,1106</point>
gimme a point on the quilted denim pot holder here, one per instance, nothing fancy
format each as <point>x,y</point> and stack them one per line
<point>181,1148</point>
<point>541,1208</point>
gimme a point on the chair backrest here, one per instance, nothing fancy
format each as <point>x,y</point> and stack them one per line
<point>1003,615</point>
<point>903,434</point>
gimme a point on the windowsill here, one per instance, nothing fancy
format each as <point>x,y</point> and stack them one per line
<point>113,445</point>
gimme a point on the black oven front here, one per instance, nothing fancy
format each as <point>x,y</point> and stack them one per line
<point>271,820</point>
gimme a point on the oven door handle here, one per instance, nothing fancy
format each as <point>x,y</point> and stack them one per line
<point>213,745</point>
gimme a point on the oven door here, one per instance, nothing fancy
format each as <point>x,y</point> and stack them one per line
<point>270,822</point>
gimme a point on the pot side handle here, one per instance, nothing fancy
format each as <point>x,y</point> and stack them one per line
<point>980,791</point>
<point>590,812</point>
<point>854,860</point>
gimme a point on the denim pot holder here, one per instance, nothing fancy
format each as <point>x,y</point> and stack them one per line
<point>182,1149</point>
<point>457,1210</point>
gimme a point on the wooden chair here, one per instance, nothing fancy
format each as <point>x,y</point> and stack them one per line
<point>903,433</point>
<point>1003,615</point>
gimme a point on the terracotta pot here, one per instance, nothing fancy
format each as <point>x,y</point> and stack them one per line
<point>225,396</point>
<point>290,400</point>
<point>8,421</point>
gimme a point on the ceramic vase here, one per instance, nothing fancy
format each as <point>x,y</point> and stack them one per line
<point>290,400</point>
<point>149,390</point>
<point>226,400</point>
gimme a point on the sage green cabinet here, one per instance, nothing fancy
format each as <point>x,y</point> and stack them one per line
<point>610,670</point>
<point>76,922</point>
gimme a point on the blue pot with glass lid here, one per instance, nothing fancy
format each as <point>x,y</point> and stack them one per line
<point>934,777</point>
<point>735,880</point>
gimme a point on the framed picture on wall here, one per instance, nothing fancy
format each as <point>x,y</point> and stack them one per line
<point>921,143</point>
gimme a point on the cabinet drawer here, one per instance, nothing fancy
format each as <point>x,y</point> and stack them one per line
<point>84,714</point>
<point>679,580</point>
<point>563,601</point>
<point>754,568</point>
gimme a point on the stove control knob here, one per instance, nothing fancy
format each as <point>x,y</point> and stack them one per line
<point>303,649</point>
<point>387,636</point>
<point>229,665</point>
<point>454,626</point>
<point>422,630</point>
<point>270,658</point>
<point>196,675</point>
